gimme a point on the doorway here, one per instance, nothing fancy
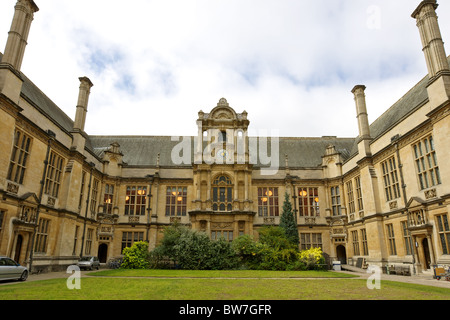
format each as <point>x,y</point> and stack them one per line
<point>426,253</point>
<point>103,252</point>
<point>18,250</point>
<point>341,254</point>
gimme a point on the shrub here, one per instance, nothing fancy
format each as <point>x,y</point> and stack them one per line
<point>193,250</point>
<point>136,256</point>
<point>312,258</point>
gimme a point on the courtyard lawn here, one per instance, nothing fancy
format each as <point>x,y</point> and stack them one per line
<point>218,285</point>
<point>219,274</point>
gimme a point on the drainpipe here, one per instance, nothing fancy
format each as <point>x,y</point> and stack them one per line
<point>405,199</point>
<point>51,138</point>
<point>87,208</point>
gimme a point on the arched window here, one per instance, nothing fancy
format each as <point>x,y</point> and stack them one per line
<point>222,190</point>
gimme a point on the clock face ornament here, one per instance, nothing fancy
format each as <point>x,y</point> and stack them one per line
<point>222,154</point>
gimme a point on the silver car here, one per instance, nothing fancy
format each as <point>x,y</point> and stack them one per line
<point>11,270</point>
<point>89,262</point>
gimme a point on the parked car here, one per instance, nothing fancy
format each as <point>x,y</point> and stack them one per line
<point>11,270</point>
<point>88,262</point>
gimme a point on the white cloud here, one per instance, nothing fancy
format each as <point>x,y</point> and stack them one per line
<point>290,64</point>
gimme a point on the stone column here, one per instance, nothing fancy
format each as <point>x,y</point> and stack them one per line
<point>10,78</point>
<point>363,121</point>
<point>18,35</point>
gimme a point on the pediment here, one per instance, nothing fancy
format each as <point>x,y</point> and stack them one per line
<point>30,198</point>
<point>415,202</point>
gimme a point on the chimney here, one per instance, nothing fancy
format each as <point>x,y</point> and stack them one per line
<point>363,121</point>
<point>18,36</point>
<point>10,80</point>
<point>434,51</point>
<point>79,137</point>
<point>83,100</point>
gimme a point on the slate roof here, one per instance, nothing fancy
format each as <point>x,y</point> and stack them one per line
<point>143,150</point>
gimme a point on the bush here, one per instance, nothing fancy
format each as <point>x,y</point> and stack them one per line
<point>193,250</point>
<point>136,256</point>
<point>312,258</point>
<point>274,251</point>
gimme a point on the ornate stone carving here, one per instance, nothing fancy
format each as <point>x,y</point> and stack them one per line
<point>393,205</point>
<point>430,194</point>
<point>12,188</point>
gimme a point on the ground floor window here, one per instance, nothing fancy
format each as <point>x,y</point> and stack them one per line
<point>89,238</point>
<point>391,240</point>
<point>444,233</point>
<point>42,236</point>
<point>128,238</point>
<point>310,240</point>
<point>355,239</point>
<point>226,234</point>
<point>365,247</point>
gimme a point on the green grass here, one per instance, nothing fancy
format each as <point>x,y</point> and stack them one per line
<point>234,285</point>
<point>219,274</point>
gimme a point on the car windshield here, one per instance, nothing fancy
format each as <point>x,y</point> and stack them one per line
<point>85,259</point>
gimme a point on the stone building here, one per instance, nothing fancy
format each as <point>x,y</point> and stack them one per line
<point>381,198</point>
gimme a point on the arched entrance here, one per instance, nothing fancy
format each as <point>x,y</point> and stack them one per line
<point>341,254</point>
<point>103,252</point>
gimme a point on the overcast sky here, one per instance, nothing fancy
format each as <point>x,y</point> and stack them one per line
<point>291,64</point>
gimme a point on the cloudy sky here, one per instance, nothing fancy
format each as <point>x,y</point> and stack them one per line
<point>291,64</point>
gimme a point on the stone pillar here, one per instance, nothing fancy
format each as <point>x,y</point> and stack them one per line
<point>10,79</point>
<point>18,35</point>
<point>79,137</point>
<point>434,51</point>
<point>363,121</point>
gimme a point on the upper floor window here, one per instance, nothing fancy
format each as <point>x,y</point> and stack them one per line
<point>176,201</point>
<point>308,202</point>
<point>359,197</point>
<point>54,173</point>
<point>94,196</point>
<point>350,197</point>
<point>390,178</point>
<point>426,163</point>
<point>19,157</point>
<point>222,189</point>
<point>108,198</point>
<point>83,182</point>
<point>135,200</point>
<point>268,202</point>
<point>336,201</point>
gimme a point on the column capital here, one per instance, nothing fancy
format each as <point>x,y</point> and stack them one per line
<point>422,5</point>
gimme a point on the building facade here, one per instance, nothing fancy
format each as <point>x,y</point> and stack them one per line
<point>381,198</point>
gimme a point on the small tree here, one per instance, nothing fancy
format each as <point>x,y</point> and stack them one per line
<point>287,221</point>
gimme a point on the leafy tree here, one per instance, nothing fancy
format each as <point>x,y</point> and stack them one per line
<point>287,221</point>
